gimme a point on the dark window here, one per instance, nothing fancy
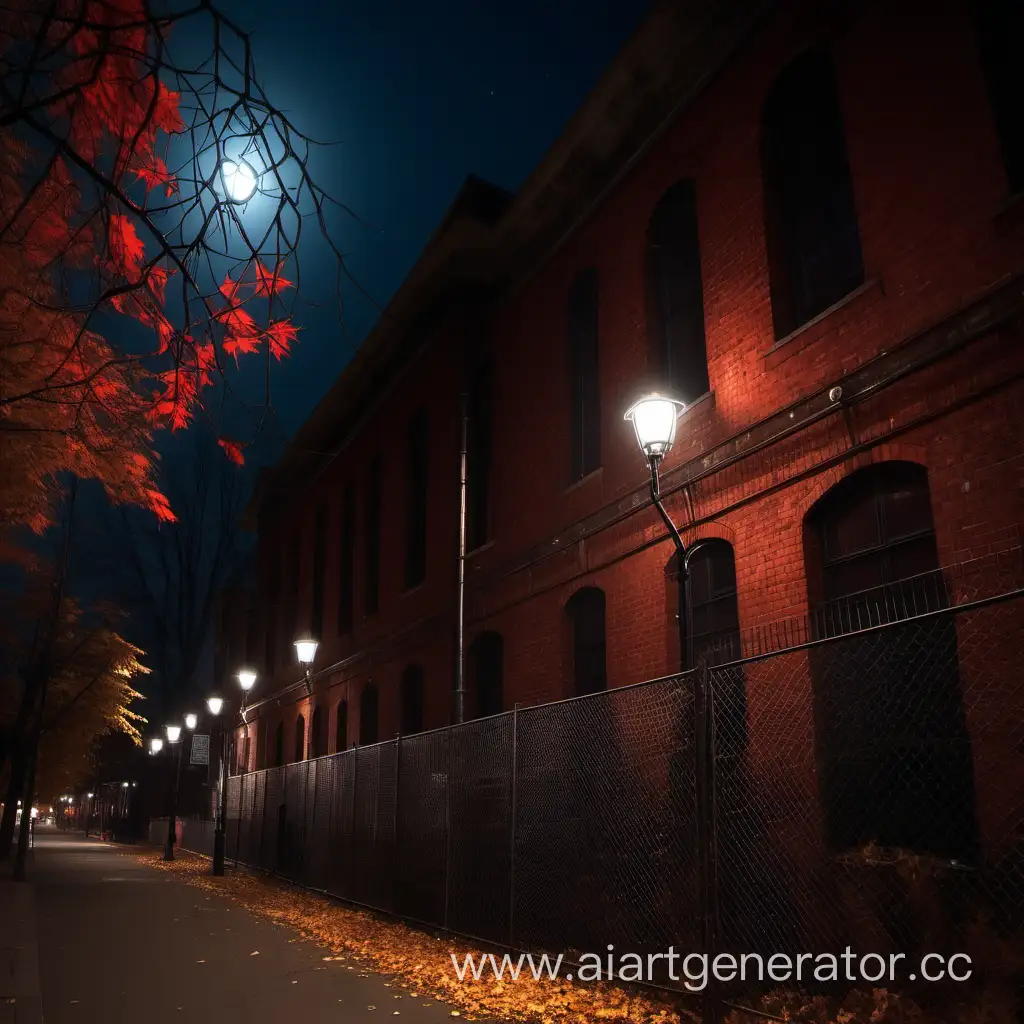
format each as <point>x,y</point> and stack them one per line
<point>279,745</point>
<point>341,726</point>
<point>300,739</point>
<point>346,589</point>
<point>814,254</point>
<point>374,484</point>
<point>716,619</point>
<point>478,456</point>
<point>675,295</point>
<point>295,591</point>
<point>586,612</point>
<point>411,692</point>
<point>316,619</point>
<point>585,384</point>
<point>894,755</point>
<point>369,702</point>
<point>1000,26</point>
<point>486,674</point>
<point>416,501</point>
<point>317,734</point>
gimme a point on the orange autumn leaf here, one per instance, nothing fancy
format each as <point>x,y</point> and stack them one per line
<point>281,334</point>
<point>269,282</point>
<point>233,450</point>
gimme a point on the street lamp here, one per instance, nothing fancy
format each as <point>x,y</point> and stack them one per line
<point>305,651</point>
<point>173,737</point>
<point>215,705</point>
<point>238,180</point>
<point>191,721</point>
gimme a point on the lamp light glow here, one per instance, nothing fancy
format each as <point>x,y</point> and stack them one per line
<point>238,180</point>
<point>173,733</point>
<point>654,419</point>
<point>191,721</point>
<point>305,650</point>
<point>246,679</point>
<point>214,705</point>
<point>156,745</point>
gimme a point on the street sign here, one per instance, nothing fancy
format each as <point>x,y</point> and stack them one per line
<point>200,748</point>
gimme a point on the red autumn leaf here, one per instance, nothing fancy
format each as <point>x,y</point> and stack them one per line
<point>156,278</point>
<point>233,450</point>
<point>281,334</point>
<point>269,282</point>
<point>166,115</point>
<point>229,289</point>
<point>241,334</point>
<point>154,173</point>
<point>126,247</point>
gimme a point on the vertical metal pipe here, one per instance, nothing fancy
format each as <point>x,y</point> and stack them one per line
<point>460,611</point>
<point>448,833</point>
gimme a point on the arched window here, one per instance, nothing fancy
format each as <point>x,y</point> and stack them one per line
<point>585,383</point>
<point>715,617</point>
<point>369,703</point>
<point>411,695</point>
<point>341,726</point>
<point>279,745</point>
<point>300,738</point>
<point>586,612</point>
<point>485,664</point>
<point>675,295</point>
<point>891,740</point>
<point>1000,25</point>
<point>317,733</point>
<point>814,253</point>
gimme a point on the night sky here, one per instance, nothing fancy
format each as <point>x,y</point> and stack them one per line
<point>416,96</point>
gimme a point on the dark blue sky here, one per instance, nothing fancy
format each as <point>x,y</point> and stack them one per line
<point>417,96</point>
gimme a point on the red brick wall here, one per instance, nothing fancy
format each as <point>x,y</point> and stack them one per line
<point>928,183</point>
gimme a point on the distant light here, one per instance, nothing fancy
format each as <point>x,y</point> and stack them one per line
<point>156,745</point>
<point>124,785</point>
<point>246,679</point>
<point>89,796</point>
<point>214,705</point>
<point>305,650</point>
<point>35,812</point>
<point>238,180</point>
<point>173,733</point>
<point>191,721</point>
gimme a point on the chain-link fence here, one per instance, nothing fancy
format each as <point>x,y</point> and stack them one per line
<point>863,790</point>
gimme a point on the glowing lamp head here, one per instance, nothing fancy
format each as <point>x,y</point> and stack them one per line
<point>654,419</point>
<point>305,650</point>
<point>191,721</point>
<point>124,785</point>
<point>156,745</point>
<point>238,180</point>
<point>247,679</point>
<point>214,705</point>
<point>89,796</point>
<point>173,733</point>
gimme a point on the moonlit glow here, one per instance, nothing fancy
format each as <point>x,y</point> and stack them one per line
<point>654,420</point>
<point>214,705</point>
<point>247,679</point>
<point>305,650</point>
<point>238,180</point>
<point>190,721</point>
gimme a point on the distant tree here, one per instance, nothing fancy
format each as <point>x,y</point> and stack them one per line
<point>129,279</point>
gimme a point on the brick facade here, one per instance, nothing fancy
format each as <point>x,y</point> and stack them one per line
<point>927,351</point>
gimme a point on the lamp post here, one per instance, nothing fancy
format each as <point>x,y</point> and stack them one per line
<point>305,651</point>
<point>654,418</point>
<point>174,738</point>
<point>215,705</point>
<point>246,680</point>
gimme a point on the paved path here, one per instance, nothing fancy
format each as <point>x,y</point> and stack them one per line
<point>123,942</point>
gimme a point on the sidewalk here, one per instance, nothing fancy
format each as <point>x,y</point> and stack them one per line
<point>121,942</point>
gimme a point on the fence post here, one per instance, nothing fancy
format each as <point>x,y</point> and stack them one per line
<point>395,844</point>
<point>705,784</point>
<point>448,833</point>
<point>307,839</point>
<point>513,803</point>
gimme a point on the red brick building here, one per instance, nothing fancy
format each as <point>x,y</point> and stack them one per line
<point>758,205</point>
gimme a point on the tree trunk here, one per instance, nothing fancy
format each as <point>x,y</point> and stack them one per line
<point>15,784</point>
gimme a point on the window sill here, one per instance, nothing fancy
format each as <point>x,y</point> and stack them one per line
<point>594,474</point>
<point>846,300</point>
<point>480,549</point>
<point>1009,214</point>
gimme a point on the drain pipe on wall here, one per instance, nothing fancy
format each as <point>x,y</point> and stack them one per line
<point>460,611</point>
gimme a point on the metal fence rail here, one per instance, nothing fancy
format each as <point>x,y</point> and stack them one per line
<point>863,790</point>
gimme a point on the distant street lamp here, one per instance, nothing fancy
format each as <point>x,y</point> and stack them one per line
<point>173,737</point>
<point>305,651</point>
<point>238,180</point>
<point>156,745</point>
<point>191,721</point>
